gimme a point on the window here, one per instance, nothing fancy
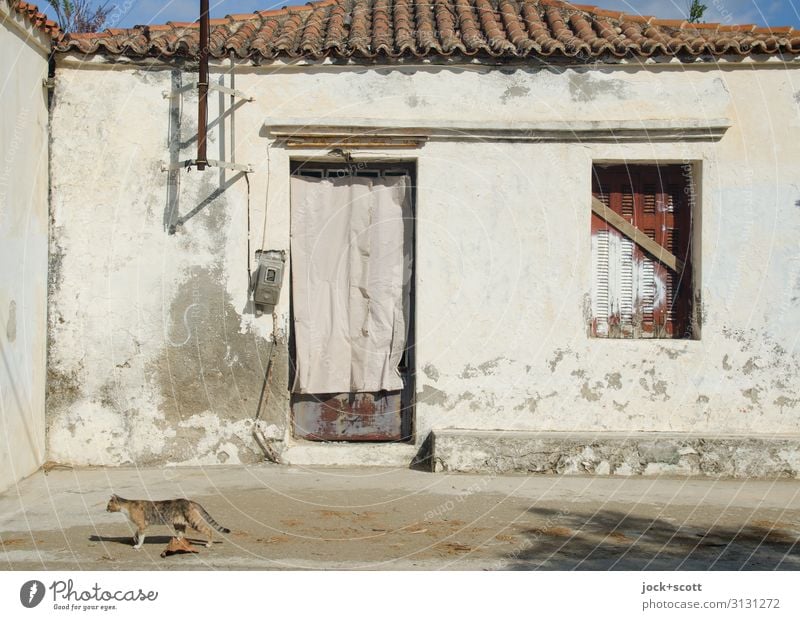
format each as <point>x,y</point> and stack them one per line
<point>641,251</point>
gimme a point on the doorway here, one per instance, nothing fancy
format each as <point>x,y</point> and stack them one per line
<point>352,301</point>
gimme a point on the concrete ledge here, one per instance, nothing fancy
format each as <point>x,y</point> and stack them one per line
<point>649,130</point>
<point>620,454</point>
<point>349,454</point>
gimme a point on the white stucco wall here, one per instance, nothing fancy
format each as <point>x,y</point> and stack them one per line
<point>503,254</point>
<point>23,246</point>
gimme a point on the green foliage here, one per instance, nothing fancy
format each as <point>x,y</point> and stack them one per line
<point>80,15</point>
<point>696,11</point>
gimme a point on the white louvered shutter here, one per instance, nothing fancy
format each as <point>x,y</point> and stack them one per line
<point>634,295</point>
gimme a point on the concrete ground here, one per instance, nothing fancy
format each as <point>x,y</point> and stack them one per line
<point>374,518</point>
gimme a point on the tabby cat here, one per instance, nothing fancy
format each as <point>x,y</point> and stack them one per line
<point>175,512</point>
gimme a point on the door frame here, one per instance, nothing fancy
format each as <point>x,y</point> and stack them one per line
<point>370,167</point>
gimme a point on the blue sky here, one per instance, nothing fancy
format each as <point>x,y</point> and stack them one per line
<point>762,12</point>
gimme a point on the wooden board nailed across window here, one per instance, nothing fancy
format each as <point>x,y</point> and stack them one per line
<point>641,267</point>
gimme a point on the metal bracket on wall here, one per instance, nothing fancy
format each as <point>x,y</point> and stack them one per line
<point>204,85</point>
<point>233,92</point>
<point>215,163</point>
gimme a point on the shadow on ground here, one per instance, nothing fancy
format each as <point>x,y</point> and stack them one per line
<point>612,540</point>
<point>149,540</point>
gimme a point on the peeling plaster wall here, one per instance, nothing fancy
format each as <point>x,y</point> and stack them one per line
<point>506,349</point>
<point>154,359</point>
<point>23,246</point>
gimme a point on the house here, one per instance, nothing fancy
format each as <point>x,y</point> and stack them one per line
<point>504,235</point>
<point>25,46</point>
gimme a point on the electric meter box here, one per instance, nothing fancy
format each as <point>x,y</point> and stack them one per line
<point>268,277</point>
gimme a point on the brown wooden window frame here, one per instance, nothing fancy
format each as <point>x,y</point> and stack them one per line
<point>642,280</point>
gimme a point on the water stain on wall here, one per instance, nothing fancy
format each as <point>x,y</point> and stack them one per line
<point>11,324</point>
<point>431,372</point>
<point>431,396</point>
<point>514,92</point>
<point>584,87</point>
<point>591,394</point>
<point>614,380</point>
<point>217,368</point>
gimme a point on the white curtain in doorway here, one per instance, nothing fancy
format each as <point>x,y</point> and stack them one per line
<point>351,252</point>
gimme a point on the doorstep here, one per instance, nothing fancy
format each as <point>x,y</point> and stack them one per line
<point>349,454</point>
<point>615,453</point>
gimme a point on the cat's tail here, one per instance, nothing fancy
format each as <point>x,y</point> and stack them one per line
<point>210,520</point>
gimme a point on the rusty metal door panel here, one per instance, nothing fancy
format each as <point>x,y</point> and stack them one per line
<point>376,416</point>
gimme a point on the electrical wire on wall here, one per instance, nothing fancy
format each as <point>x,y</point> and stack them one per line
<point>258,434</point>
<point>249,273</point>
<point>266,205</point>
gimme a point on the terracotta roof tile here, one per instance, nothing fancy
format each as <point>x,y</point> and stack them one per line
<point>38,19</point>
<point>503,29</point>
